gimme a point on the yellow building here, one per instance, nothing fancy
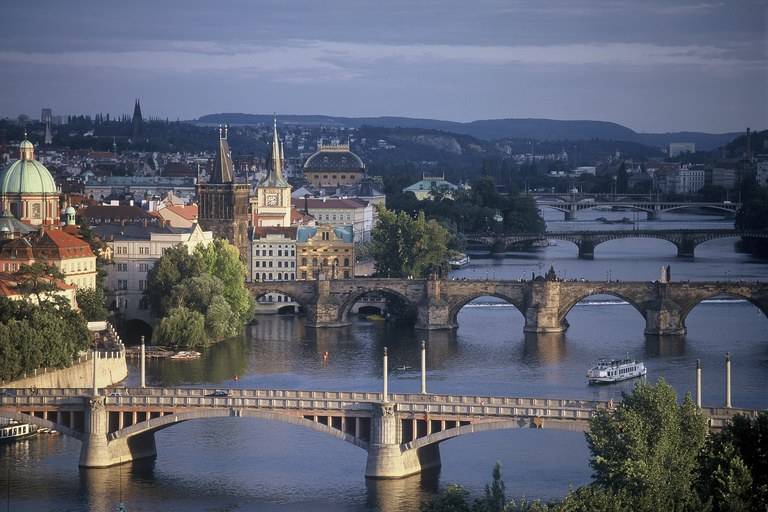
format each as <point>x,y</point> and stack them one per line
<point>325,249</point>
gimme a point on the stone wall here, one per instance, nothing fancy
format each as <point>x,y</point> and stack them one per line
<point>110,369</point>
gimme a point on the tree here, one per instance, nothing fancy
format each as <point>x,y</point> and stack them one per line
<point>91,303</point>
<point>181,327</point>
<point>455,499</point>
<point>733,472</point>
<point>404,247</point>
<point>622,179</point>
<point>223,262</point>
<point>648,446</point>
<point>173,267</point>
<point>40,279</point>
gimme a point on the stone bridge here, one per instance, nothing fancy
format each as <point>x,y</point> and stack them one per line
<point>685,240</point>
<point>400,432</point>
<point>572,204</point>
<point>544,303</point>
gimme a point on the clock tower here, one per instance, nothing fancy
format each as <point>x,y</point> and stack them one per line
<point>273,194</point>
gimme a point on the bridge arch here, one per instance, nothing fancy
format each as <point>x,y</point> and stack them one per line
<point>43,423</point>
<point>169,420</point>
<point>567,306</point>
<point>688,307</point>
<point>353,298</point>
<point>522,422</point>
<point>456,307</point>
<point>279,291</point>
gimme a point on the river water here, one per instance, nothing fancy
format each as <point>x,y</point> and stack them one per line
<point>234,464</point>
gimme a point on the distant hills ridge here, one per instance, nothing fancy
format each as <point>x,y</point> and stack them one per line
<point>492,129</point>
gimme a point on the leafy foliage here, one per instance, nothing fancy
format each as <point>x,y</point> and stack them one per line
<point>648,446</point>
<point>91,303</point>
<point>47,335</point>
<point>40,279</point>
<point>403,246</point>
<point>205,288</point>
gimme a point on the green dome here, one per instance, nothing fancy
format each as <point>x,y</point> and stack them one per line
<point>25,144</point>
<point>26,177</point>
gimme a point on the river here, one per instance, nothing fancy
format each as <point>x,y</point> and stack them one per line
<point>234,464</point>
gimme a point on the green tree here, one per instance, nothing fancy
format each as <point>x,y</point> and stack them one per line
<point>648,446</point>
<point>39,280</point>
<point>403,246</point>
<point>495,498</point>
<point>455,499</point>
<point>182,328</point>
<point>91,303</point>
<point>10,359</point>
<point>622,179</point>
<point>733,471</point>
<point>223,262</point>
<point>173,267</point>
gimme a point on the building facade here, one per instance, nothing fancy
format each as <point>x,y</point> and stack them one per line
<point>333,166</point>
<point>28,191</point>
<point>325,249</point>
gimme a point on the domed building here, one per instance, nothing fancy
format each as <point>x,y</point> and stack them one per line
<point>334,166</point>
<point>28,191</point>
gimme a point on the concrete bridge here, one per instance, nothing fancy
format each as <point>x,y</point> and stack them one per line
<point>685,240</point>
<point>572,204</point>
<point>544,302</point>
<point>400,432</point>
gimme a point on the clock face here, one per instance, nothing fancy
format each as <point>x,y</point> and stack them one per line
<point>271,199</point>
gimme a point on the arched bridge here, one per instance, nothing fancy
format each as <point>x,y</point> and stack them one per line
<point>544,303</point>
<point>685,240</point>
<point>571,204</point>
<point>400,432</point>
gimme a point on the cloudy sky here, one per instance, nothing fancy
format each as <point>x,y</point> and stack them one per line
<point>650,65</point>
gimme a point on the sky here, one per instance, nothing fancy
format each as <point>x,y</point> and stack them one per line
<point>653,66</point>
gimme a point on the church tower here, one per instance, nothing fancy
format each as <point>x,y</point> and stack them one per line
<point>138,129</point>
<point>223,203</point>
<point>273,194</point>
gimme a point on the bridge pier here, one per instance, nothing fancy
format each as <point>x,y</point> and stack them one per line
<point>543,312</point>
<point>99,452</point>
<point>386,458</point>
<point>662,316</point>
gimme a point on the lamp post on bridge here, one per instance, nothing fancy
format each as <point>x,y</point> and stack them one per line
<point>384,397</point>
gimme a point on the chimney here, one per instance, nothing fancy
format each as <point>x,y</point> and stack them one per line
<point>144,223</point>
<point>749,152</point>
<point>162,223</point>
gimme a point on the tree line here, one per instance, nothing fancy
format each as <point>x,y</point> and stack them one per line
<point>198,297</point>
<point>650,454</point>
<point>39,330</point>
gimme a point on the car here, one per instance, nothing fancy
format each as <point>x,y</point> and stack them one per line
<point>116,393</point>
<point>218,393</point>
<point>6,393</point>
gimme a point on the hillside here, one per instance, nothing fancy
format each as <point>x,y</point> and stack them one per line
<point>492,130</point>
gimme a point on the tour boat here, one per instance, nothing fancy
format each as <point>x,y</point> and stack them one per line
<point>614,369</point>
<point>186,354</point>
<point>15,430</point>
<point>462,260</point>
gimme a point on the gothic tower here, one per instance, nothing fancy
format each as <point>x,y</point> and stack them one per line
<point>272,204</point>
<point>223,203</point>
<point>138,129</point>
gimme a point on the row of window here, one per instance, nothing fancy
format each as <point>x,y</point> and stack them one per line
<point>269,264</point>
<point>122,284</point>
<point>123,267</point>
<point>123,249</point>
<point>280,277</point>
<point>329,215</point>
<point>325,262</point>
<point>265,252</point>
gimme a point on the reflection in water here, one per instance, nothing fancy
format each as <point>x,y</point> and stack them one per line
<point>544,349</point>
<point>401,495</point>
<point>664,346</point>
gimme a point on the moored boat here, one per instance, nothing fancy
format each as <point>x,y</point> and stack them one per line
<point>615,369</point>
<point>460,261</point>
<point>186,354</point>
<point>15,430</point>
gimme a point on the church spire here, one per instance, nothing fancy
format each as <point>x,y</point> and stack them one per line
<point>275,164</point>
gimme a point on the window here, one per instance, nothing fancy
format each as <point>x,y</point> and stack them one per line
<point>346,274</point>
<point>122,284</point>
<point>304,261</point>
<point>270,264</point>
<point>314,262</point>
<point>334,216</point>
<point>270,252</point>
<point>327,217</point>
<point>303,274</point>
<point>143,267</point>
<point>121,249</point>
<point>293,252</point>
<point>279,264</point>
<point>143,250</point>
<point>122,267</point>
<point>346,262</point>
<point>142,285</point>
<point>279,252</point>
<point>349,217</point>
<point>36,211</point>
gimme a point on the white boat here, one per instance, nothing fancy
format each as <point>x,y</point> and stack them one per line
<point>614,369</point>
<point>186,354</point>
<point>462,260</point>
<point>15,430</point>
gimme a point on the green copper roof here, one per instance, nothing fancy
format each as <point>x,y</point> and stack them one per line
<point>26,177</point>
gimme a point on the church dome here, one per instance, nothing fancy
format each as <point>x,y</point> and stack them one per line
<point>26,175</point>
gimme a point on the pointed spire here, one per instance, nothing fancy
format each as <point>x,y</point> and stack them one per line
<point>275,164</point>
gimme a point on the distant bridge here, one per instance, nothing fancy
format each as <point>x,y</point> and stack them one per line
<point>571,204</point>
<point>544,303</point>
<point>400,432</point>
<point>685,240</point>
